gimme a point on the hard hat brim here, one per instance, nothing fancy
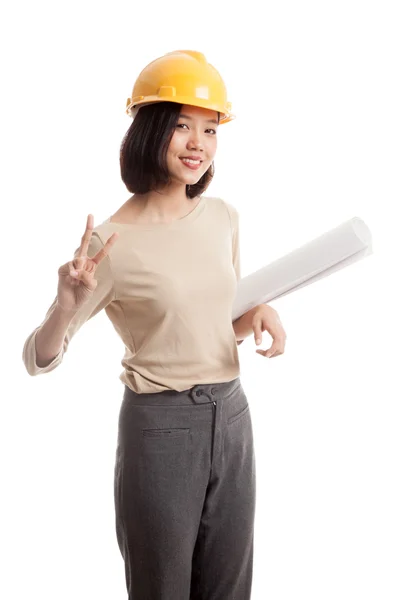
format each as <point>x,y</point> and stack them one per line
<point>226,115</point>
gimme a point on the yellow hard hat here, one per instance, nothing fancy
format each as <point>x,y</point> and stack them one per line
<point>182,76</point>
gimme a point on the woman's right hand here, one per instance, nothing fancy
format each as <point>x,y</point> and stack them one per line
<point>76,282</point>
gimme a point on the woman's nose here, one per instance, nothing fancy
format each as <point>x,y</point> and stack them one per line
<point>195,141</point>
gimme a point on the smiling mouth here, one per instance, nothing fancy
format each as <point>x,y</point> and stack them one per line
<point>191,161</point>
<point>192,165</point>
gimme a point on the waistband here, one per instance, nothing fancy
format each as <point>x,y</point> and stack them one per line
<point>198,394</point>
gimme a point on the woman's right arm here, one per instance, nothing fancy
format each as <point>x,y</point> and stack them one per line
<point>49,339</point>
<point>85,287</point>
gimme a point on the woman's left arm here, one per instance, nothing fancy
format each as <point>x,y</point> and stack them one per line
<point>256,320</point>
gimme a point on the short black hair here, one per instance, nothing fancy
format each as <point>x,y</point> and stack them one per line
<point>144,148</point>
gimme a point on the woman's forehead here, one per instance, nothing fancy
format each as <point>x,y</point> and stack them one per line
<point>198,112</point>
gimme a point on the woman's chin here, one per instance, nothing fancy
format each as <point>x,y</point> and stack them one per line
<point>187,180</point>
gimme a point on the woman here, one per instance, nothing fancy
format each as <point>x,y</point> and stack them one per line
<point>165,268</point>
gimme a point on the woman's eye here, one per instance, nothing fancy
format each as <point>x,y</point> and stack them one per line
<point>184,125</point>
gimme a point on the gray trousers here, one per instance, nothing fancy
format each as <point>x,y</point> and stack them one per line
<point>185,487</point>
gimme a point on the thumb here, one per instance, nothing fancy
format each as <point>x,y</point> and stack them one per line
<point>87,279</point>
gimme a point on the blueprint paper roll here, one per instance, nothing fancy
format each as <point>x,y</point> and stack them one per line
<point>333,250</point>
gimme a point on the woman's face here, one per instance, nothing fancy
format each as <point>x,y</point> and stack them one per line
<point>195,135</point>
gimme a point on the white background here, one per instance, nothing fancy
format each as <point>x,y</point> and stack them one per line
<point>315,87</point>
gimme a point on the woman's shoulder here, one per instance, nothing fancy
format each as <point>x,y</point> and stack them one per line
<point>224,205</point>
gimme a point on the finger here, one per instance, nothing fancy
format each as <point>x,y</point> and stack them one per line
<point>257,331</point>
<point>72,270</point>
<point>266,353</point>
<point>262,352</point>
<point>276,353</point>
<point>277,348</point>
<point>87,236</point>
<point>105,250</point>
<point>270,352</point>
<point>86,278</point>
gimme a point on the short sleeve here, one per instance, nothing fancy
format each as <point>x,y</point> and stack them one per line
<point>101,297</point>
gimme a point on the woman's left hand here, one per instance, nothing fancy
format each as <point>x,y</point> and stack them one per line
<point>267,319</point>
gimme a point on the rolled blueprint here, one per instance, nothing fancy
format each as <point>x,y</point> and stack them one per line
<point>335,249</point>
